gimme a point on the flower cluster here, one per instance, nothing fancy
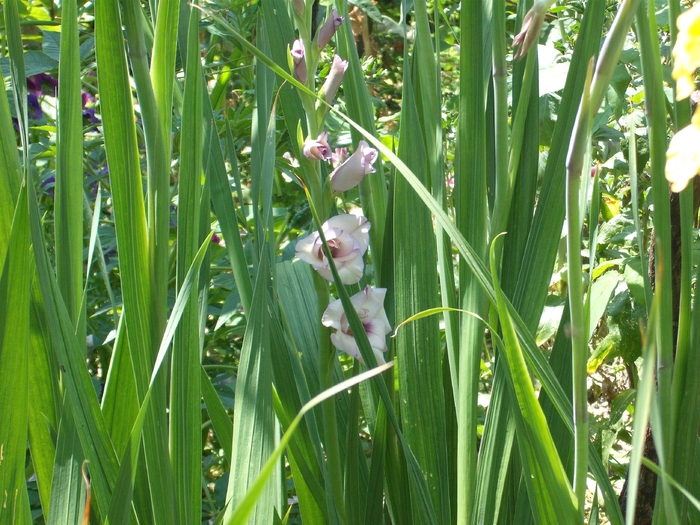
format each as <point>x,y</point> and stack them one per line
<point>683,155</point>
<point>347,235</point>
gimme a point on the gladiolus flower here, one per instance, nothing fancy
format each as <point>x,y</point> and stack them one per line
<point>351,172</point>
<point>686,52</point>
<point>347,237</point>
<point>294,163</point>
<point>334,78</point>
<point>328,29</point>
<point>299,60</point>
<point>318,148</point>
<point>339,156</point>
<point>683,155</point>
<point>530,30</point>
<point>369,305</point>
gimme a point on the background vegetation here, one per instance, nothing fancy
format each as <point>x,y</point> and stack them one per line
<point>162,352</point>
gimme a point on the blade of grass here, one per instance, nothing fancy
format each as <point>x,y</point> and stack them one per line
<point>19,84</point>
<point>543,240</point>
<point>46,399</point>
<point>247,504</point>
<point>652,74</point>
<point>415,285</point>
<point>15,282</point>
<point>220,420</point>
<point>253,423</point>
<point>68,210</point>
<point>10,175</point>
<point>120,504</point>
<point>82,398</point>
<point>132,241</point>
<point>471,210</point>
<point>657,470</point>
<point>67,492</point>
<point>185,390</point>
<point>551,491</point>
<point>155,108</point>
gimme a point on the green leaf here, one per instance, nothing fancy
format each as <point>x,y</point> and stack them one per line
<point>15,282</point>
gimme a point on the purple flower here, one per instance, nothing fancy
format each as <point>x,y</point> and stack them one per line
<point>351,172</point>
<point>328,29</point>
<point>299,61</point>
<point>34,107</point>
<point>89,113</point>
<point>89,107</point>
<point>334,78</point>
<point>48,184</point>
<point>318,148</point>
<point>42,84</point>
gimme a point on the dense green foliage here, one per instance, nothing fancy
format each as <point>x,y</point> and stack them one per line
<point>482,310</point>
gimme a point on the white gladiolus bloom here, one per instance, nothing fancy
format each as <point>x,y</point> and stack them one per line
<point>369,305</point>
<point>348,238</point>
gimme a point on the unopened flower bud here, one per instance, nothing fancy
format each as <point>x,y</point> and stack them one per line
<point>299,7</point>
<point>299,60</point>
<point>339,156</point>
<point>530,30</point>
<point>334,78</point>
<point>328,29</point>
<point>351,172</point>
<point>318,148</point>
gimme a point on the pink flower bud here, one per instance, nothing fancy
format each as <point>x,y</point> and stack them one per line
<point>299,7</point>
<point>328,29</point>
<point>351,172</point>
<point>318,148</point>
<point>339,156</point>
<point>334,78</point>
<point>299,61</point>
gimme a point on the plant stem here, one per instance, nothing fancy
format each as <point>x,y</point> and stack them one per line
<point>330,425</point>
<point>579,350</point>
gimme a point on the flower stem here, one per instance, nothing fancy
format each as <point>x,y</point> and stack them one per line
<point>579,332</point>
<point>330,426</point>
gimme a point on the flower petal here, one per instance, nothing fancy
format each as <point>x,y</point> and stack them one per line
<point>683,157</point>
